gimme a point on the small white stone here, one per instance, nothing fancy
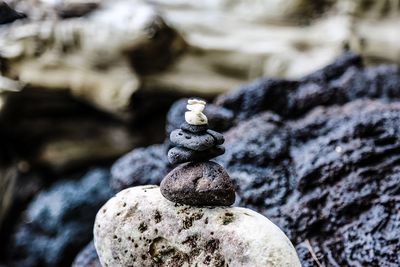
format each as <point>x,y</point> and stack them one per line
<point>198,108</point>
<point>196,101</point>
<point>195,118</point>
<point>139,227</point>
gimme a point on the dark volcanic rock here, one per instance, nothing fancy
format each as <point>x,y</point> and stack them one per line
<point>199,184</point>
<point>140,167</point>
<point>8,15</point>
<point>347,163</point>
<point>59,222</point>
<point>340,82</point>
<point>87,257</point>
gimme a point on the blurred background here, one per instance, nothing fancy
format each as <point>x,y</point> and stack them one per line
<point>83,82</point>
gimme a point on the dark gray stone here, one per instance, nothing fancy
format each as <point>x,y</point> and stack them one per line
<point>197,142</point>
<point>199,184</point>
<point>181,154</point>
<point>194,128</point>
<point>219,138</point>
<point>59,222</point>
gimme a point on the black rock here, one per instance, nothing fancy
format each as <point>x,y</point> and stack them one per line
<point>199,184</point>
<point>87,257</point>
<point>8,15</point>
<point>342,81</point>
<point>197,142</point>
<point>180,154</point>
<point>59,222</point>
<point>194,128</point>
<point>140,167</point>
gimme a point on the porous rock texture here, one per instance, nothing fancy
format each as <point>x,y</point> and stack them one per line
<point>199,183</point>
<point>58,223</point>
<point>139,227</point>
<point>320,156</point>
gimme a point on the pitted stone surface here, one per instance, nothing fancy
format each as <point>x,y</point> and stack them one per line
<point>197,142</point>
<point>139,227</point>
<point>200,184</point>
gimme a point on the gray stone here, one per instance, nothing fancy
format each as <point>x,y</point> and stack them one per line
<point>181,154</point>
<point>199,184</point>
<point>194,128</point>
<point>197,142</point>
<point>139,227</point>
<point>219,138</point>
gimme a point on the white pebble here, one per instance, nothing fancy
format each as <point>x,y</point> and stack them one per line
<point>196,107</point>
<point>196,101</point>
<point>195,118</point>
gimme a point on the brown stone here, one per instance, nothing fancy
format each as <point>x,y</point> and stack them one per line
<point>199,184</point>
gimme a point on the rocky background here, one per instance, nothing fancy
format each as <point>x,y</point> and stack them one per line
<point>83,82</point>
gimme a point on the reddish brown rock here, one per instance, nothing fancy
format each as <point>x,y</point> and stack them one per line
<point>199,184</point>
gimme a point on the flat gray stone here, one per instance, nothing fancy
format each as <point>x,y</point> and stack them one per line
<point>197,142</point>
<point>139,227</point>
<point>180,154</point>
<point>194,128</point>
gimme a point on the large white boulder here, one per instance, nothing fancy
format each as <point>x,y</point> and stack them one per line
<point>139,227</point>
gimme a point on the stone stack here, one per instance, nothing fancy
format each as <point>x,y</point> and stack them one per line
<point>194,141</point>
<point>197,181</point>
<point>144,225</point>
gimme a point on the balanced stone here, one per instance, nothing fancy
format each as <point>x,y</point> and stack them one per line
<point>199,184</point>
<point>180,154</point>
<point>198,142</point>
<point>219,138</point>
<point>194,128</point>
<point>139,227</point>
<point>195,118</point>
<point>195,115</point>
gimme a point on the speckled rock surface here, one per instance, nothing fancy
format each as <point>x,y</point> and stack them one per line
<point>139,227</point>
<point>199,183</point>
